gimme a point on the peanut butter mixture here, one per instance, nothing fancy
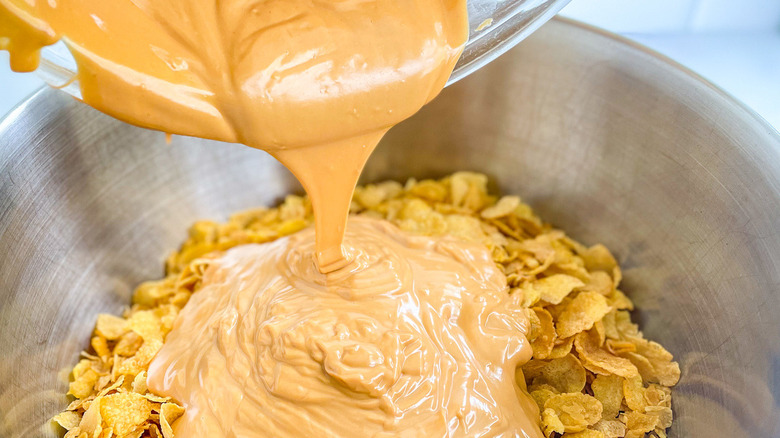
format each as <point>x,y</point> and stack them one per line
<point>592,373</point>
<point>314,83</point>
<point>301,333</point>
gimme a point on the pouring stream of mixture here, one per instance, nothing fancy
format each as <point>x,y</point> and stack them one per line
<point>388,335</point>
<point>314,83</point>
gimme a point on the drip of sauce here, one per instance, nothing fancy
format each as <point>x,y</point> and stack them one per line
<point>314,83</point>
<point>417,337</point>
<point>388,335</point>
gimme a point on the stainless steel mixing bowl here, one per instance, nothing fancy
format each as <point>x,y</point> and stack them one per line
<point>607,140</point>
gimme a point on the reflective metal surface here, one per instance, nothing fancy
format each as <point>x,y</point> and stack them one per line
<point>606,140</point>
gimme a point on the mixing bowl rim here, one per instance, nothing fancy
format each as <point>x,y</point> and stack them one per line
<point>515,37</point>
<point>668,62</point>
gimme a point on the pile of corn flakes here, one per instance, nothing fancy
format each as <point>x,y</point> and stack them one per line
<point>593,374</point>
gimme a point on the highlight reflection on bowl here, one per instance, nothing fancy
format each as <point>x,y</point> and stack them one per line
<point>609,142</point>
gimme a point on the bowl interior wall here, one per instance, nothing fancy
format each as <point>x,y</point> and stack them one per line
<point>605,140</point>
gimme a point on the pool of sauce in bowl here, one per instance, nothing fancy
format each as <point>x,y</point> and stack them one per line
<point>298,333</point>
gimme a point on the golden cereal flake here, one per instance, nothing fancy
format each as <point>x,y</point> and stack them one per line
<point>576,411</point>
<point>609,391</point>
<point>593,374</point>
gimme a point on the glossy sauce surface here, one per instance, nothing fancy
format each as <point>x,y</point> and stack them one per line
<point>388,335</point>
<point>315,83</point>
<point>417,337</point>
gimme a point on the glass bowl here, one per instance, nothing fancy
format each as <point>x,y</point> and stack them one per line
<point>605,139</point>
<point>494,27</point>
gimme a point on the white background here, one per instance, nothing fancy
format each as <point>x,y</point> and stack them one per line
<point>733,43</point>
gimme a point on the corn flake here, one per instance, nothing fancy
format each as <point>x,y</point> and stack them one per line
<point>601,361</point>
<point>541,395</point>
<point>609,391</point>
<point>611,428</point>
<point>111,327</point>
<point>641,423</point>
<point>565,375</point>
<point>582,336</point>
<point>503,207</point>
<point>125,412</point>
<point>634,393</point>
<point>599,258</point>
<point>562,348</point>
<point>67,419</point>
<point>551,423</point>
<point>576,411</point>
<point>169,412</point>
<point>663,413</point>
<point>542,336</point>
<point>581,313</point>
<point>555,288</point>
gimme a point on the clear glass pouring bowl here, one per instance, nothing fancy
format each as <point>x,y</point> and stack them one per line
<point>494,27</point>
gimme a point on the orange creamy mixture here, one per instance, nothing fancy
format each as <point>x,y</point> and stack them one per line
<point>418,338</point>
<point>314,83</point>
<point>387,335</point>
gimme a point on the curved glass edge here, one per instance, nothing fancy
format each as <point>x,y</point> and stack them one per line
<point>483,48</point>
<point>494,27</point>
<point>58,69</point>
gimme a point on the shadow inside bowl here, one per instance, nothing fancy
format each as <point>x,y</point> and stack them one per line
<point>605,140</point>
